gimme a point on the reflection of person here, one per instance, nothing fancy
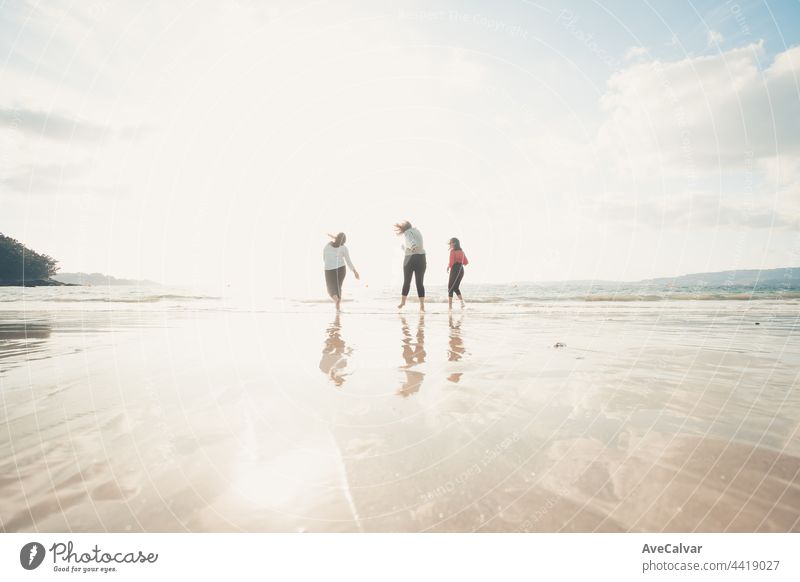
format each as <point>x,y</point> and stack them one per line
<point>335,255</point>
<point>414,263</point>
<point>334,353</point>
<point>456,268</point>
<point>457,349</point>
<point>413,354</point>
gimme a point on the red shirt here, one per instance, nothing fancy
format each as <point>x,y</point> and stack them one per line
<point>457,257</point>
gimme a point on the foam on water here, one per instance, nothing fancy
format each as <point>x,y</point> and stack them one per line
<point>510,295</point>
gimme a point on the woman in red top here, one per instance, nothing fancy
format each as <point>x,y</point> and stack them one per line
<point>456,268</point>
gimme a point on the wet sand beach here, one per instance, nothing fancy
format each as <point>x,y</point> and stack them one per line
<point>673,416</point>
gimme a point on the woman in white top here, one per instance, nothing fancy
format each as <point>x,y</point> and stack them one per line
<point>335,255</point>
<point>414,262</point>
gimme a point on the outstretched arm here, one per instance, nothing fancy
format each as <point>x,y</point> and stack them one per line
<point>349,262</point>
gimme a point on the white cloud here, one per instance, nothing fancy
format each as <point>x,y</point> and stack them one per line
<point>705,112</point>
<point>52,125</point>
<point>703,210</point>
<point>635,53</point>
<point>715,38</point>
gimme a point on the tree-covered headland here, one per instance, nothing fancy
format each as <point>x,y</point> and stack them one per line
<point>21,266</point>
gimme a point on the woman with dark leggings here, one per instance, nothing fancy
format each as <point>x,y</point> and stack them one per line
<point>335,255</point>
<point>456,268</point>
<point>414,263</point>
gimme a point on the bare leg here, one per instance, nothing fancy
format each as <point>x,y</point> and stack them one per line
<point>338,301</point>
<point>422,304</point>
<point>450,303</point>
<point>460,298</point>
<point>408,272</point>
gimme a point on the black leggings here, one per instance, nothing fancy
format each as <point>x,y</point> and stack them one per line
<point>456,274</point>
<point>334,279</point>
<point>414,265</point>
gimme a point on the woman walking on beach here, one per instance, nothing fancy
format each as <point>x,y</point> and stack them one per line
<point>335,255</point>
<point>456,268</point>
<point>414,262</point>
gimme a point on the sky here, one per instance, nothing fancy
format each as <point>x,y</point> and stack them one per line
<point>215,144</point>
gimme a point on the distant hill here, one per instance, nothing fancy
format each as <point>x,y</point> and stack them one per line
<point>99,279</point>
<point>788,277</point>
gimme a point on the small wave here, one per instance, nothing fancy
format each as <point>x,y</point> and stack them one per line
<point>634,297</point>
<point>718,296</point>
<point>173,296</point>
<point>631,297</point>
<point>692,297</point>
<point>146,299</point>
<point>617,298</point>
<point>493,299</point>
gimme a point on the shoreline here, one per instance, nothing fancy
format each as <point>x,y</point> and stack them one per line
<point>37,283</point>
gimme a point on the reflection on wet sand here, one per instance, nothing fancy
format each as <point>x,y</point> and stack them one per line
<point>16,331</point>
<point>23,339</point>
<point>413,354</point>
<point>335,353</point>
<point>456,348</point>
<point>149,425</point>
<point>675,484</point>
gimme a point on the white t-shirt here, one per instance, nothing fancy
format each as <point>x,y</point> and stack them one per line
<point>412,242</point>
<point>335,257</point>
